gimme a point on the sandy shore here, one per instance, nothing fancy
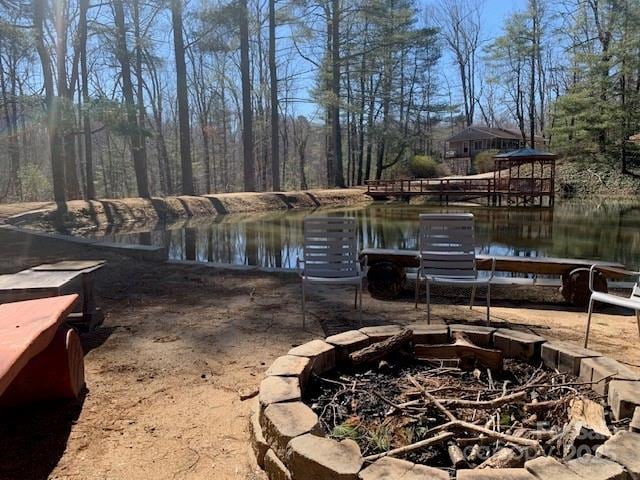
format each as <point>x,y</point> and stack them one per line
<point>178,345</point>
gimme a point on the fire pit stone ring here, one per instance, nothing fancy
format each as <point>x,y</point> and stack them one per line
<point>289,443</point>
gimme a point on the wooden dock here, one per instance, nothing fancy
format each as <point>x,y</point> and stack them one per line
<point>493,191</point>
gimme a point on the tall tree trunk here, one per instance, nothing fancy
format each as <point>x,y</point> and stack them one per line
<point>247,114</point>
<point>90,188</point>
<point>183,101</point>
<point>139,80</point>
<point>275,141</point>
<point>53,113</point>
<point>139,162</point>
<point>336,135</point>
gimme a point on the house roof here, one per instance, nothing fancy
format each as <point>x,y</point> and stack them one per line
<point>478,133</point>
<point>522,153</point>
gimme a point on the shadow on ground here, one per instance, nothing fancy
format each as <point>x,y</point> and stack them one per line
<point>33,439</point>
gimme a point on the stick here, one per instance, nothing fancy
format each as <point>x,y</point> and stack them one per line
<point>442,437</point>
<point>484,404</point>
<point>432,399</point>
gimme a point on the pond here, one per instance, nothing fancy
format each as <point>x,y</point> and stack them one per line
<point>601,230</point>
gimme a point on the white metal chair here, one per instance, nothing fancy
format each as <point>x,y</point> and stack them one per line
<point>447,256</point>
<point>632,302</point>
<point>331,257</point>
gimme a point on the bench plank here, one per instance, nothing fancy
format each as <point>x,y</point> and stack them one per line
<point>26,329</point>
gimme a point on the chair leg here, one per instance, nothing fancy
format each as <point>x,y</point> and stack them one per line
<point>360,305</point>
<point>638,320</point>
<point>488,304</point>
<point>428,295</point>
<point>303,307</point>
<point>586,333</point>
<point>473,296</point>
<point>355,302</point>
<point>417,288</point>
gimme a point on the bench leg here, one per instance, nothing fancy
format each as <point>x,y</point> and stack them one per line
<point>638,320</point>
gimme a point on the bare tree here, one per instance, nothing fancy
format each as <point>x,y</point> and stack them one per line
<point>460,27</point>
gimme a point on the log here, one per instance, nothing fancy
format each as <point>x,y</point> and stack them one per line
<point>575,286</point>
<point>56,373</point>
<point>586,429</point>
<point>469,354</point>
<point>506,457</point>
<point>381,349</point>
<point>386,280</point>
<point>438,439</point>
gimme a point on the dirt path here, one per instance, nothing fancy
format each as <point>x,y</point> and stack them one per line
<point>179,343</point>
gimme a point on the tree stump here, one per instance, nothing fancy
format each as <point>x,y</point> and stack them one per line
<point>386,280</point>
<point>575,286</point>
<point>55,373</point>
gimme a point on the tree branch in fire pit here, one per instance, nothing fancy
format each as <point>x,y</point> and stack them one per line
<point>381,349</point>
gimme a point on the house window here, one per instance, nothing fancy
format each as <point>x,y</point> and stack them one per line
<point>478,145</point>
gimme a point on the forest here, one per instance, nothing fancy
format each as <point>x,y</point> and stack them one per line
<point>120,98</point>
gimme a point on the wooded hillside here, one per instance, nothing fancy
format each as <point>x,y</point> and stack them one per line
<point>134,97</point>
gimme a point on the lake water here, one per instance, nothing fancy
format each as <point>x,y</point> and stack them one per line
<point>605,230</point>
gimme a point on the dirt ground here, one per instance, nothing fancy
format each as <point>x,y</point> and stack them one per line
<point>180,342</point>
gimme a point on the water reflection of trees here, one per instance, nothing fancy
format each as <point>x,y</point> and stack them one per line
<point>606,231</point>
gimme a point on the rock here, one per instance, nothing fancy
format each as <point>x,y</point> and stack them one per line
<point>430,334</point>
<point>291,366</point>
<point>595,468</point>
<point>348,342</point>
<point>601,370</point>
<point>520,345</point>
<point>547,468</point>
<point>479,335</point>
<point>279,389</point>
<point>321,354</point>
<point>565,357</point>
<point>282,422</point>
<point>258,442</point>
<point>623,448</point>
<point>318,458</point>
<point>388,468</point>
<point>493,474</point>
<point>623,398</point>
<point>276,470</point>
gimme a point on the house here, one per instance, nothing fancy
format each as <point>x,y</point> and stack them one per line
<point>474,139</point>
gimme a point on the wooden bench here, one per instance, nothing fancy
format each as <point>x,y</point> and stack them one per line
<point>41,359</point>
<point>60,278</point>
<point>387,272</point>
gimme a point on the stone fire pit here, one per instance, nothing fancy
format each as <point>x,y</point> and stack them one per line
<point>289,443</point>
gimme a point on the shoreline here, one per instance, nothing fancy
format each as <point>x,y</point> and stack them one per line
<point>80,216</point>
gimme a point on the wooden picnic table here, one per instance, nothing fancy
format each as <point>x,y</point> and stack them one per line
<point>387,272</point>
<point>54,279</point>
<point>41,358</point>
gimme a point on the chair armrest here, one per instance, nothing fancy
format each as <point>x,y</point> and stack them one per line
<point>605,268</point>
